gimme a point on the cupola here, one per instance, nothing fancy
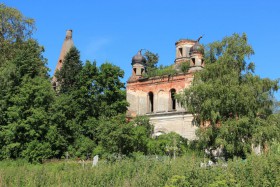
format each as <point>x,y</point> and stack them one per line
<point>196,56</point>
<point>138,59</point>
<point>138,65</point>
<point>197,48</point>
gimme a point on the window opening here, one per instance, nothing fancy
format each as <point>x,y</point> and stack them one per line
<point>173,100</point>
<point>151,102</point>
<point>193,61</point>
<point>181,52</point>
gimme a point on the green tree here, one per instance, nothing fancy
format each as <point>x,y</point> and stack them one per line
<point>185,66</point>
<point>228,99</point>
<point>73,112</point>
<point>111,91</point>
<point>116,135</point>
<point>25,111</point>
<point>14,28</point>
<point>68,75</point>
<point>171,144</point>
<point>68,112</point>
<point>25,90</point>
<point>94,94</point>
<point>152,60</point>
<point>142,134</point>
<point>64,129</point>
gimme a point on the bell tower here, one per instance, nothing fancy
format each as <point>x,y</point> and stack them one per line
<point>66,46</point>
<point>189,51</point>
<point>196,56</point>
<point>183,47</point>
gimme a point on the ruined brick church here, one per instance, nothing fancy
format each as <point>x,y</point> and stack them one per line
<point>155,96</point>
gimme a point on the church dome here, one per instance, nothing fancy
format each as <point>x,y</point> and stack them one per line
<point>138,58</point>
<point>197,48</point>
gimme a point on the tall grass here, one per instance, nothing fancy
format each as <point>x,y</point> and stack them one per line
<point>144,171</point>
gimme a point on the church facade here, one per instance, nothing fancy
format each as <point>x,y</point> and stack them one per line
<point>155,96</point>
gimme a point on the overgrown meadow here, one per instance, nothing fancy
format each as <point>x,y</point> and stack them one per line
<point>144,171</point>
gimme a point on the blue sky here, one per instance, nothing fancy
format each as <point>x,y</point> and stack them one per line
<point>115,30</point>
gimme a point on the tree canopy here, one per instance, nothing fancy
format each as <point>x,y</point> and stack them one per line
<point>14,28</point>
<point>26,95</point>
<point>228,99</point>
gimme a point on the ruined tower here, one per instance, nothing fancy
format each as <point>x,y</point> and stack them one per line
<point>189,51</point>
<point>183,47</point>
<point>66,46</point>
<point>138,63</point>
<point>196,56</point>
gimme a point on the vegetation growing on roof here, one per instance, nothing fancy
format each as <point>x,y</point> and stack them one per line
<point>171,70</point>
<point>161,71</point>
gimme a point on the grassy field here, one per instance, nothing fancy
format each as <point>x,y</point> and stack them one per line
<point>144,171</point>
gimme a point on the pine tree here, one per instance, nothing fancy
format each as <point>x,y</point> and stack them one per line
<point>68,75</point>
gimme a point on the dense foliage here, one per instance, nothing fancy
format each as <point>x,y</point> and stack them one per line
<point>229,101</point>
<point>25,90</point>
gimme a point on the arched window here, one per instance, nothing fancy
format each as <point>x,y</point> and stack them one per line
<point>172,99</point>
<point>150,102</point>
